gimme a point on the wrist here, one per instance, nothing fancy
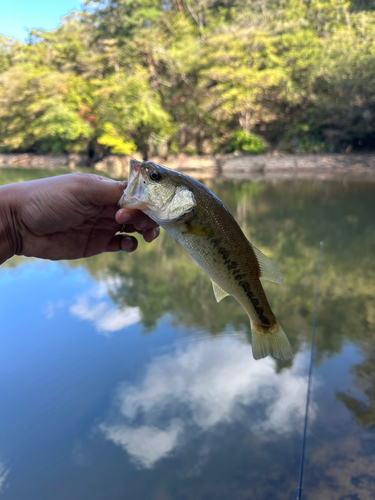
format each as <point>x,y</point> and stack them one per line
<point>8,226</point>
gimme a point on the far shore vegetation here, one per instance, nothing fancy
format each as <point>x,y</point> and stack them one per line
<point>195,77</point>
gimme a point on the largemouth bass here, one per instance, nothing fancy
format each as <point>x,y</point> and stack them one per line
<point>206,230</point>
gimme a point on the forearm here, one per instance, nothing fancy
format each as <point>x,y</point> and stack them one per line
<point>8,245</point>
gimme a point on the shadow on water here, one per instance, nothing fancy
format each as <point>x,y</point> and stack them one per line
<point>237,422</point>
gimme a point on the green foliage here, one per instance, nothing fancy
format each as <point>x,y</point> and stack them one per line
<point>39,111</point>
<point>112,140</point>
<point>190,74</point>
<point>248,143</point>
<point>8,49</point>
<point>132,107</point>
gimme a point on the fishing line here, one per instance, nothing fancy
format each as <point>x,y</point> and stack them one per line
<point>302,461</point>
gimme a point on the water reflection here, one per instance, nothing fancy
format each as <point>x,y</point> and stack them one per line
<point>343,470</point>
<point>340,459</point>
<point>286,220</point>
<point>3,475</point>
<point>95,307</point>
<point>203,419</point>
<point>199,388</point>
<point>362,404</point>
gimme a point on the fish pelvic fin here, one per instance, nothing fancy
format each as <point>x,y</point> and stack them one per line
<point>219,292</point>
<point>270,341</point>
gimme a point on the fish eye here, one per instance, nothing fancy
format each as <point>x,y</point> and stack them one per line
<point>155,176</point>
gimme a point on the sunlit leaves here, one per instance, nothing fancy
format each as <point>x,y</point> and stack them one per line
<point>8,50</point>
<point>111,139</point>
<point>190,73</point>
<point>131,106</point>
<point>39,110</point>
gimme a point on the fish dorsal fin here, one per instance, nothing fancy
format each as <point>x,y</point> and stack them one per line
<point>219,292</point>
<point>187,254</point>
<point>268,270</point>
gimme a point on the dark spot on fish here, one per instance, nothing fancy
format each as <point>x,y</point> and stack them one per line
<point>232,265</point>
<point>255,302</point>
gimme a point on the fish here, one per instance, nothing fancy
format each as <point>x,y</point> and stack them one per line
<point>205,229</point>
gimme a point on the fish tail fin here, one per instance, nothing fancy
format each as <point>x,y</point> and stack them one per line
<point>270,341</point>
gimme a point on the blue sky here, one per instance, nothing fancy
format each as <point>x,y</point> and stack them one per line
<point>16,15</point>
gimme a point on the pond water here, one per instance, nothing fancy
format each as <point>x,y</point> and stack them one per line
<point>122,378</point>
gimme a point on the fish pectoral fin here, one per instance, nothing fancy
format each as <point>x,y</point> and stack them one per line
<point>187,254</point>
<point>268,270</point>
<point>219,292</point>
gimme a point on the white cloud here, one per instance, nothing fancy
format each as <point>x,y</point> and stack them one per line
<point>95,306</point>
<point>146,444</point>
<point>50,308</point>
<point>211,381</point>
<point>3,475</point>
<point>106,285</point>
<point>106,318</point>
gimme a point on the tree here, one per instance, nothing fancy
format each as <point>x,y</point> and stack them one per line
<point>127,107</point>
<point>8,50</point>
<point>40,110</point>
<point>191,74</point>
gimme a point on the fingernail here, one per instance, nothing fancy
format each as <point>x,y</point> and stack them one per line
<point>156,232</point>
<point>124,218</point>
<point>128,245</point>
<point>142,224</point>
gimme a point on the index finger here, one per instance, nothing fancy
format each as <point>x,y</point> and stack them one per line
<point>140,220</point>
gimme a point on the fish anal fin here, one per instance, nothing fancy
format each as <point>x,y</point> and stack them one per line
<point>268,270</point>
<point>187,253</point>
<point>272,341</point>
<point>219,292</point>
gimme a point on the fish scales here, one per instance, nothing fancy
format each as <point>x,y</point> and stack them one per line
<point>226,256</point>
<point>203,226</point>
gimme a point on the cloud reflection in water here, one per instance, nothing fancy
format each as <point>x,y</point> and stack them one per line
<point>207,383</point>
<point>95,306</point>
<point>3,475</point>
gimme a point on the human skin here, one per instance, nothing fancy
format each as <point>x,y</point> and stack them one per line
<point>68,217</point>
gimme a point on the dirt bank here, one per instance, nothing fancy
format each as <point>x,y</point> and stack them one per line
<point>323,166</point>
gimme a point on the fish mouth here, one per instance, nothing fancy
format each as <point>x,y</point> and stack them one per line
<point>134,167</point>
<point>133,194</point>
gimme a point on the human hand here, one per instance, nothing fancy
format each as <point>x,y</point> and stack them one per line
<point>69,217</point>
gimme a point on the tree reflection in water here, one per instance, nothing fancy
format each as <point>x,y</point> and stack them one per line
<point>286,220</point>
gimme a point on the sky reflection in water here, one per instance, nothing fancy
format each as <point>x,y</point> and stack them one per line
<point>121,376</point>
<point>104,316</point>
<point>199,387</point>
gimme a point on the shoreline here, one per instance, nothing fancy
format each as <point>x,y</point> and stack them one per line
<point>275,165</point>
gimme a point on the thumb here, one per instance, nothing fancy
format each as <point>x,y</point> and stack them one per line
<point>105,191</point>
